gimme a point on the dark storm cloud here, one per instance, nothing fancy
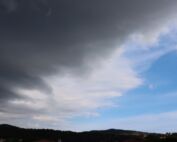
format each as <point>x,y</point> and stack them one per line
<point>41,37</point>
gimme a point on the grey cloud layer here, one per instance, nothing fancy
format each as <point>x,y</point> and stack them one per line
<point>41,37</point>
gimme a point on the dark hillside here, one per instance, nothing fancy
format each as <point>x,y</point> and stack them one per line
<point>10,133</point>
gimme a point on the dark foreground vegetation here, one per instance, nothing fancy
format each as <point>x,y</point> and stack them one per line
<point>14,134</point>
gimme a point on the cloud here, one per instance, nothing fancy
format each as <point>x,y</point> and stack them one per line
<point>158,123</point>
<point>9,5</point>
<point>57,57</point>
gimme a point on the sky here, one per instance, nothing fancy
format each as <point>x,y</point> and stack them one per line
<point>89,64</point>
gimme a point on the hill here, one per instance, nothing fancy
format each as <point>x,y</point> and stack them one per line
<point>10,133</point>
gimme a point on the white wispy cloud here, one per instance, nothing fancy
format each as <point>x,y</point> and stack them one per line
<point>155,122</point>
<point>75,96</point>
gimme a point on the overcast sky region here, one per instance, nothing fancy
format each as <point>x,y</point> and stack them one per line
<point>89,64</point>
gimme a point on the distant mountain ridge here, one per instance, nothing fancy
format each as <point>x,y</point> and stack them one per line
<point>11,133</point>
<point>7,126</point>
<point>10,128</point>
